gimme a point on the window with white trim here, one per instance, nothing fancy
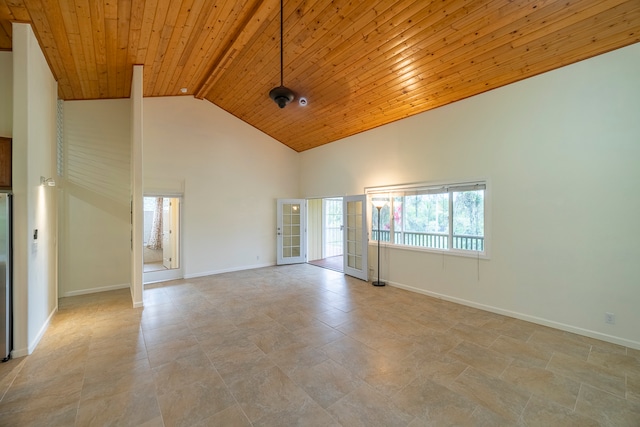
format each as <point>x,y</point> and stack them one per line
<point>443,218</point>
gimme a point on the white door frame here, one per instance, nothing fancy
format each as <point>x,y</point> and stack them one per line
<point>291,231</point>
<point>174,273</point>
<point>356,245</point>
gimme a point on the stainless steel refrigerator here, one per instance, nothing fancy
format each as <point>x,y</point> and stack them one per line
<point>5,277</point>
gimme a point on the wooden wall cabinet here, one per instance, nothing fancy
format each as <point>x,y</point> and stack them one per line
<point>5,163</point>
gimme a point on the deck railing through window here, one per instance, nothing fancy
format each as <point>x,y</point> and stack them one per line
<point>333,242</point>
<point>431,240</point>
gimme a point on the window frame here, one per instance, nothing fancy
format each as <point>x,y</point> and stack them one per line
<point>448,187</point>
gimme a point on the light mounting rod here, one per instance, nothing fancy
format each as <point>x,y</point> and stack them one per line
<point>281,95</point>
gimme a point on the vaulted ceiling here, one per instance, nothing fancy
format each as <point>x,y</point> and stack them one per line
<point>359,63</point>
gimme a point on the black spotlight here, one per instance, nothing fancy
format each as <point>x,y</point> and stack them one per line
<point>281,95</point>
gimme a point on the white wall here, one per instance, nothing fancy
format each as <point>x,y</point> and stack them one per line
<point>561,154</point>
<point>231,175</point>
<point>6,93</point>
<point>34,131</point>
<point>95,213</point>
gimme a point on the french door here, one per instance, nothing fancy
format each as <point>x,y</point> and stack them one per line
<point>291,231</point>
<point>355,236</point>
<point>292,236</point>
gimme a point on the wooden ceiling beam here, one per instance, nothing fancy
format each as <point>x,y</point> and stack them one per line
<point>260,12</point>
<point>205,46</point>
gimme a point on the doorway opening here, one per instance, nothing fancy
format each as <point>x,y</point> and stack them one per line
<point>325,233</point>
<point>161,239</point>
<point>313,237</point>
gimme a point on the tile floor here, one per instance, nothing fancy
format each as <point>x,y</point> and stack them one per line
<point>301,345</point>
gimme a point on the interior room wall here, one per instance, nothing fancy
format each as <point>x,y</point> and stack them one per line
<point>95,226</point>
<point>560,152</point>
<point>230,174</point>
<point>6,93</point>
<point>35,206</point>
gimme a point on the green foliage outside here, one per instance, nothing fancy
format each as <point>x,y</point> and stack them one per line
<point>429,214</point>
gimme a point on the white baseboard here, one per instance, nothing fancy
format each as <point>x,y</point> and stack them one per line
<point>161,276</point>
<point>533,319</point>
<point>136,304</point>
<point>20,352</point>
<point>95,290</point>
<point>227,270</point>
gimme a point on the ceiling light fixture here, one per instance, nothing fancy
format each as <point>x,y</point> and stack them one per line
<point>281,95</point>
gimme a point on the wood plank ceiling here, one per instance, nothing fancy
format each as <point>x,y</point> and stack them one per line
<point>360,63</point>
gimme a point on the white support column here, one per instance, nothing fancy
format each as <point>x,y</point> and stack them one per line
<point>34,205</point>
<point>137,217</point>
